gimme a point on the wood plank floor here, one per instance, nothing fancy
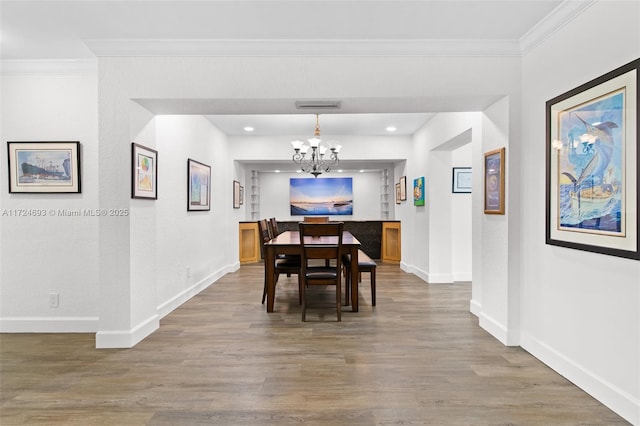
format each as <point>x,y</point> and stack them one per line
<point>418,357</point>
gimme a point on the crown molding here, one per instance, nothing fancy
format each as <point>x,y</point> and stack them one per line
<point>48,66</point>
<point>302,48</point>
<point>558,18</point>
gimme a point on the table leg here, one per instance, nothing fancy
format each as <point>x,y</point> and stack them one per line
<point>354,279</point>
<point>269,265</point>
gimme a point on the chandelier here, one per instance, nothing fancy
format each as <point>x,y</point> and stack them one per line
<point>312,156</point>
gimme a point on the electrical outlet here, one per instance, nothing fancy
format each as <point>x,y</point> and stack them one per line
<point>54,300</point>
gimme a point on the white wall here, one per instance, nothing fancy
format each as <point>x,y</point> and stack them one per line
<point>461,220</point>
<point>52,253</point>
<point>188,251</point>
<point>581,311</point>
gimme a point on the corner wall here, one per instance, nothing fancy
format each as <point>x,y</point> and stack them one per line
<point>52,253</point>
<point>581,310</point>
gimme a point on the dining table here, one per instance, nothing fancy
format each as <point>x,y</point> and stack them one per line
<point>288,242</point>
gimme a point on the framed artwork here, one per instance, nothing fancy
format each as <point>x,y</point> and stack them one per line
<point>144,172</point>
<point>418,191</point>
<point>321,196</point>
<point>198,186</point>
<point>403,188</point>
<point>398,198</point>
<point>241,195</point>
<point>44,167</point>
<point>592,165</point>
<point>236,194</point>
<point>494,181</point>
<point>461,181</point>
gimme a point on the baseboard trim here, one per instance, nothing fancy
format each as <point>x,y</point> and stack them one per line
<point>475,307</point>
<point>49,325</point>
<point>616,399</point>
<point>172,304</point>
<point>127,338</point>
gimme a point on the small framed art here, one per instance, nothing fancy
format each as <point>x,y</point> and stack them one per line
<point>461,180</point>
<point>398,193</point>
<point>403,188</point>
<point>418,191</point>
<point>236,194</point>
<point>44,167</point>
<point>241,195</point>
<point>494,181</point>
<point>198,186</point>
<point>144,172</point>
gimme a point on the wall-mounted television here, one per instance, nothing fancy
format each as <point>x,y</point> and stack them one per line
<point>321,196</point>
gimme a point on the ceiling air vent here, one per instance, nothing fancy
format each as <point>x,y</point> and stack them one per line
<point>318,105</point>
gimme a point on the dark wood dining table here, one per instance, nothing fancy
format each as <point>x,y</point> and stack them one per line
<point>289,243</point>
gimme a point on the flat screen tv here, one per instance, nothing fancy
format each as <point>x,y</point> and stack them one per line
<point>321,196</point>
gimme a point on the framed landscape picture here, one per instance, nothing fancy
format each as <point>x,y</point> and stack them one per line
<point>144,172</point>
<point>592,165</point>
<point>44,167</point>
<point>321,196</point>
<point>494,181</point>
<point>198,186</point>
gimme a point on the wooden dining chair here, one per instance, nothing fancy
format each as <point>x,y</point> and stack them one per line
<point>316,219</point>
<point>321,241</point>
<point>289,265</point>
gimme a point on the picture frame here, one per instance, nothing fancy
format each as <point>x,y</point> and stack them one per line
<point>403,188</point>
<point>144,172</point>
<point>44,167</point>
<point>461,182</point>
<point>494,181</point>
<point>398,193</point>
<point>236,194</point>
<point>592,157</point>
<point>418,191</point>
<point>241,195</point>
<point>198,186</point>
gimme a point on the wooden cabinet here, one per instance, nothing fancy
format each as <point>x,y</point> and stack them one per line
<point>391,245</point>
<point>249,242</point>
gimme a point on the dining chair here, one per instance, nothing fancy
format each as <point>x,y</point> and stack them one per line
<point>288,265</point>
<point>316,219</point>
<point>321,241</point>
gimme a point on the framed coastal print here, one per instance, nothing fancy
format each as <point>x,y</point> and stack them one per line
<point>403,188</point>
<point>44,167</point>
<point>494,181</point>
<point>236,194</point>
<point>144,172</point>
<point>398,193</point>
<point>198,186</point>
<point>592,165</point>
<point>418,191</point>
<point>461,181</point>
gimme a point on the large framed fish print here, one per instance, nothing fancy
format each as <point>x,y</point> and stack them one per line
<point>44,167</point>
<point>592,157</point>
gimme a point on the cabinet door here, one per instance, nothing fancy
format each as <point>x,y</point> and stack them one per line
<point>249,242</point>
<point>391,245</point>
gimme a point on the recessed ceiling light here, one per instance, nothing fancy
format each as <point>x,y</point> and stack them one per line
<point>248,129</point>
<point>277,171</point>
<point>361,171</point>
<point>391,128</point>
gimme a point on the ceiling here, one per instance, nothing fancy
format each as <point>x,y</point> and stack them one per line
<point>84,29</point>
